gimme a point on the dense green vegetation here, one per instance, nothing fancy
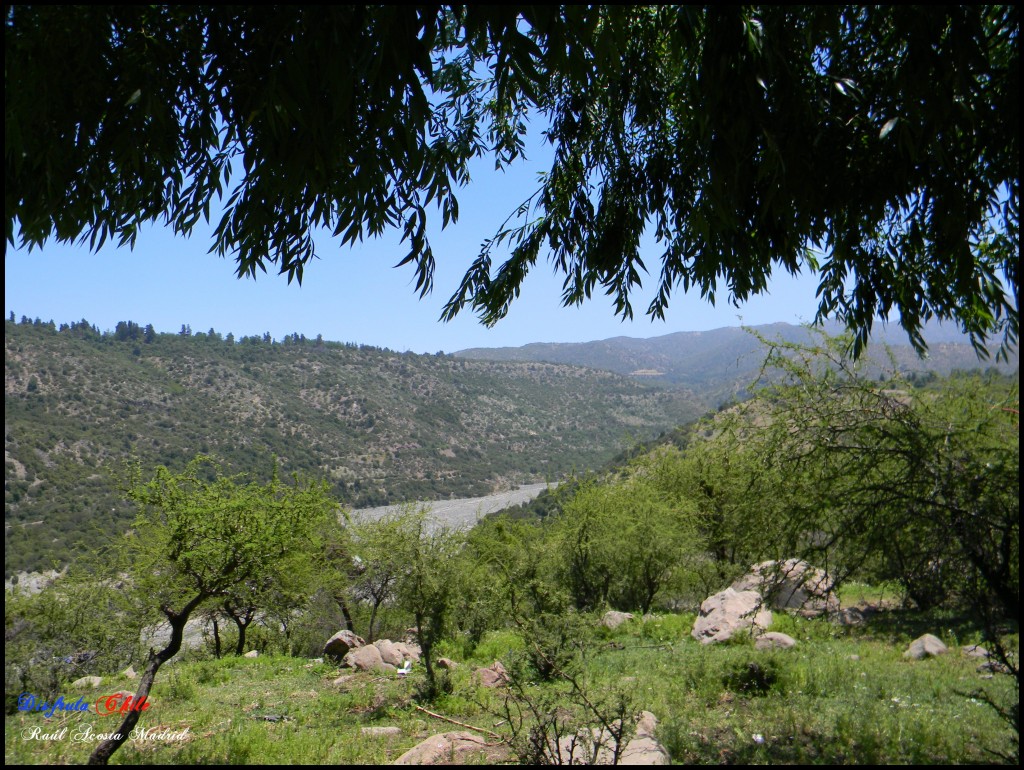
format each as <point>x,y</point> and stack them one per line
<point>904,493</point>
<point>379,426</point>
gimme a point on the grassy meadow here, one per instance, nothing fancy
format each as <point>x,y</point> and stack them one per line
<point>842,695</point>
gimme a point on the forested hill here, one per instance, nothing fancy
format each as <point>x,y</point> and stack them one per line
<point>720,363</point>
<point>381,426</point>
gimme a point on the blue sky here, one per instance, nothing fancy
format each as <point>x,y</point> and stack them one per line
<point>355,294</point>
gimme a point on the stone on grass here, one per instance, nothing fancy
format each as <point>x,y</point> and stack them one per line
<point>447,663</point>
<point>728,612</point>
<point>389,652</point>
<point>925,646</point>
<point>381,732</point>
<point>129,673</point>
<point>451,748</point>
<point>366,658</point>
<point>339,645</point>
<point>773,640</point>
<point>86,682</point>
<point>792,584</point>
<point>975,651</point>
<point>494,676</point>
<point>614,619</point>
<point>252,654</point>
<point>641,749</point>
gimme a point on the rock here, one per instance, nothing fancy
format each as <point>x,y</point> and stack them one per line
<point>495,676</point>
<point>975,651</point>
<point>993,667</point>
<point>855,657</point>
<point>343,678</point>
<point>129,673</point>
<point>847,616</point>
<point>366,658</point>
<point>339,645</point>
<point>925,647</point>
<point>87,682</point>
<point>614,619</point>
<point>408,650</point>
<point>447,663</point>
<point>791,585</point>
<point>252,654</point>
<point>728,612</point>
<point>448,748</point>
<point>389,652</point>
<point>381,732</point>
<point>642,748</point>
<point>773,640</point>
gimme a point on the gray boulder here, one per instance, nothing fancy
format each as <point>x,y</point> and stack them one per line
<point>87,682</point>
<point>614,619</point>
<point>792,584</point>
<point>339,645</point>
<point>925,646</point>
<point>729,612</point>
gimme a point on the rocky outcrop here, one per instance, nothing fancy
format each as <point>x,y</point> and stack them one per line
<point>366,658</point>
<point>389,653</point>
<point>729,612</point>
<point>792,584</point>
<point>339,645</point>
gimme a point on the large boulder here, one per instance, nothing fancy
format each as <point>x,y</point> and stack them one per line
<point>389,652</point>
<point>792,584</point>
<point>339,645</point>
<point>366,658</point>
<point>457,748</point>
<point>729,612</point>
<point>642,749</point>
<point>408,650</point>
<point>613,619</point>
<point>926,646</point>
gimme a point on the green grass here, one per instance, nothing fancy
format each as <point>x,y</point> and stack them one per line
<point>840,696</point>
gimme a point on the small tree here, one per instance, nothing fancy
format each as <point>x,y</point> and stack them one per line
<point>197,540</point>
<point>429,584</point>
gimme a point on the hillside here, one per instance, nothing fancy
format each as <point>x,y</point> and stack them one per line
<point>719,364</point>
<point>381,426</point>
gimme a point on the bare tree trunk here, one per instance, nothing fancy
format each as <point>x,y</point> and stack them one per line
<point>216,637</point>
<point>101,755</point>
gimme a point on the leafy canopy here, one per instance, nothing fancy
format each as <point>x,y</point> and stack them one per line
<point>874,146</point>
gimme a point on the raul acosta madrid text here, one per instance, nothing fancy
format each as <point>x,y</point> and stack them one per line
<point>85,733</point>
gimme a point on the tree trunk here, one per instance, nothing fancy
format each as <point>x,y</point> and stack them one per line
<point>216,637</point>
<point>106,749</point>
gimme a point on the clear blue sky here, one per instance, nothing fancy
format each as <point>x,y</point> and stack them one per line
<point>355,294</point>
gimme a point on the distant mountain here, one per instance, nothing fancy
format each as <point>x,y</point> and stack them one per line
<point>380,426</point>
<point>719,364</point>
